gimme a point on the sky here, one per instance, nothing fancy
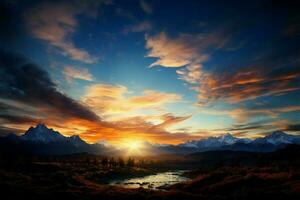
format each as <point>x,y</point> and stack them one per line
<point>159,71</point>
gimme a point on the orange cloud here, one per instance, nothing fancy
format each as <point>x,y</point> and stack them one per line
<point>248,83</point>
<point>137,128</point>
<point>141,128</point>
<point>40,101</point>
<point>112,99</point>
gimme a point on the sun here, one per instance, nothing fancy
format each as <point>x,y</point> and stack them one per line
<point>133,146</point>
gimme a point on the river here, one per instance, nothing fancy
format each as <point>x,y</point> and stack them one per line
<point>156,181</point>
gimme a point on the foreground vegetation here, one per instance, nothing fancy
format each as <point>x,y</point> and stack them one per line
<point>274,175</point>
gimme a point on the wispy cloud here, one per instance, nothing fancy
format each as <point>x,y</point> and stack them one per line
<point>187,52</point>
<point>72,73</point>
<point>56,22</point>
<point>186,49</point>
<point>248,83</point>
<point>242,115</point>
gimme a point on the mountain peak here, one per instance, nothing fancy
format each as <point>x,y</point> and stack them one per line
<point>41,133</point>
<point>227,136</point>
<point>279,137</point>
<point>40,125</point>
<point>277,134</point>
<point>76,140</point>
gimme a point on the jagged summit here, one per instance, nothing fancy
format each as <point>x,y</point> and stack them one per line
<point>41,133</point>
<point>76,140</point>
<point>276,138</point>
<point>227,138</point>
<point>279,137</point>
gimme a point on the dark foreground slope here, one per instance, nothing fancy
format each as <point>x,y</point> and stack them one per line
<point>82,177</point>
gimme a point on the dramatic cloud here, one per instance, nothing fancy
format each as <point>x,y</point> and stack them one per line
<point>292,127</point>
<point>77,73</point>
<point>112,99</point>
<point>147,8</point>
<point>56,22</point>
<point>186,51</point>
<point>274,73</point>
<point>140,128</point>
<point>29,96</point>
<point>24,82</point>
<point>248,83</point>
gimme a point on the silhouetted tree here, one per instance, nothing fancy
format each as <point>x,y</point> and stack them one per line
<point>142,163</point>
<point>104,162</point>
<point>130,162</point>
<point>112,162</point>
<point>121,162</point>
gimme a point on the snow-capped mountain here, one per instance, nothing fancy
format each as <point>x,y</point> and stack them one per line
<point>212,142</point>
<point>76,140</point>
<point>41,133</point>
<point>43,140</point>
<point>270,142</point>
<point>278,138</point>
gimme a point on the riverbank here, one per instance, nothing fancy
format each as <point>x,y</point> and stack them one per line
<point>219,183</point>
<point>158,181</point>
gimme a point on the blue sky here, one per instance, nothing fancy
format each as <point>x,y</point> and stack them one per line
<point>161,71</point>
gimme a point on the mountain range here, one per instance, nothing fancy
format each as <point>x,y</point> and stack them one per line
<point>42,140</point>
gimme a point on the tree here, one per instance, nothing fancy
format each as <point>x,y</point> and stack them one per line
<point>121,162</point>
<point>130,162</point>
<point>104,162</point>
<point>112,162</point>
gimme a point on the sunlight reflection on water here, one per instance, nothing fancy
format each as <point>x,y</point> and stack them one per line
<point>157,181</point>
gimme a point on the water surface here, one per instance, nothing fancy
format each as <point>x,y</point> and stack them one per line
<point>156,181</point>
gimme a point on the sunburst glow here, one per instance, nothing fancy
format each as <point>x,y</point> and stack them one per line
<point>133,147</point>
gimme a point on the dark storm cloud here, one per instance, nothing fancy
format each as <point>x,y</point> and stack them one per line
<point>18,119</point>
<point>25,82</point>
<point>6,130</point>
<point>259,125</point>
<point>292,127</point>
